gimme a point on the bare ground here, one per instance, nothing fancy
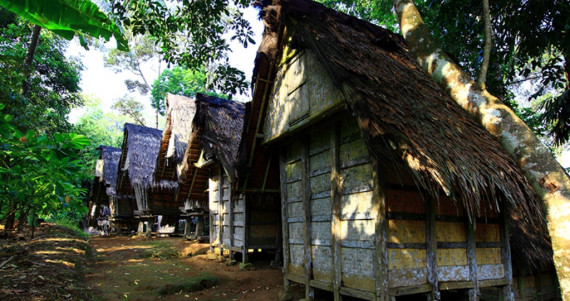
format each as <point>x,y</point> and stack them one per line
<point>160,268</point>
<point>59,265</point>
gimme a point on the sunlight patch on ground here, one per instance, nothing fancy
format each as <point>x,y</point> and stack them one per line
<point>122,248</point>
<point>48,252</point>
<point>135,260</point>
<point>78,251</point>
<point>61,239</point>
<point>63,262</point>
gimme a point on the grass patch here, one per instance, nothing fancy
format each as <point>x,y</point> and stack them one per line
<point>70,226</point>
<point>160,250</point>
<point>192,284</point>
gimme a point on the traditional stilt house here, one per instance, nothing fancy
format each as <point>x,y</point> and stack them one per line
<point>103,193</point>
<point>388,187</point>
<point>180,113</point>
<point>238,221</point>
<point>147,198</point>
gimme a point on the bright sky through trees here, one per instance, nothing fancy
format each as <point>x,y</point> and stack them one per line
<point>103,83</point>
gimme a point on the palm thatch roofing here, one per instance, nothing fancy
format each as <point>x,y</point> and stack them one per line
<point>403,114</point>
<point>216,134</point>
<point>179,116</point>
<point>138,160</point>
<point>105,179</point>
<point>110,157</point>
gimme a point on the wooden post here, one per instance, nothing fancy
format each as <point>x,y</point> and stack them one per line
<point>246,228</point>
<point>431,246</point>
<point>284,219</point>
<point>188,227</point>
<point>279,238</point>
<point>307,220</point>
<point>220,210</point>
<point>336,195</point>
<point>231,220</point>
<point>506,255</point>
<point>211,215</point>
<point>472,259</point>
<point>199,227</point>
<point>381,225</point>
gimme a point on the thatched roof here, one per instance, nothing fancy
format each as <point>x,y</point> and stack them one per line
<point>179,116</point>
<point>138,161</point>
<point>216,131</point>
<point>404,114</point>
<point>110,157</point>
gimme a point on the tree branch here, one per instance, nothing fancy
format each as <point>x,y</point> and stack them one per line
<point>488,45</point>
<point>30,58</point>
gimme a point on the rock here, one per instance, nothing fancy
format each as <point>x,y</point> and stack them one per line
<point>246,266</point>
<point>231,262</point>
<point>221,258</point>
<point>211,256</point>
<point>285,295</point>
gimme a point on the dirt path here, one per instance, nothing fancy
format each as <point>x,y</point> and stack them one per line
<point>167,268</point>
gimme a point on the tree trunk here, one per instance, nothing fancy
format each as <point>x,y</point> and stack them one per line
<point>545,174</point>
<point>11,216</point>
<point>30,58</point>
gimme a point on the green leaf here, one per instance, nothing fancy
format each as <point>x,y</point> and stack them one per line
<point>68,17</point>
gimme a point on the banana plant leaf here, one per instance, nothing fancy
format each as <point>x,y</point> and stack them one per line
<point>69,17</point>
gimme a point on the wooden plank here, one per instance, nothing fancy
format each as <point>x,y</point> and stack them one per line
<point>451,245</point>
<point>455,285</point>
<point>284,216</point>
<point>493,282</point>
<point>488,244</point>
<point>295,278</point>
<point>308,260</point>
<point>409,290</point>
<point>336,195</point>
<point>472,261</point>
<point>393,245</point>
<point>357,293</point>
<point>405,216</point>
<point>322,285</point>
<point>431,246</point>
<point>506,255</point>
<point>381,225</point>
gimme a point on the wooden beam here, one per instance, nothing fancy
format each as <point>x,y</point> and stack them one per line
<point>202,162</point>
<point>336,194</point>
<point>193,179</point>
<point>431,246</point>
<point>284,218</point>
<point>267,169</point>
<point>409,290</point>
<point>308,260</point>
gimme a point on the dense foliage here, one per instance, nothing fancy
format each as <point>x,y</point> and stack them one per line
<point>41,171</point>
<point>192,34</point>
<point>80,17</point>
<point>53,79</point>
<point>38,173</point>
